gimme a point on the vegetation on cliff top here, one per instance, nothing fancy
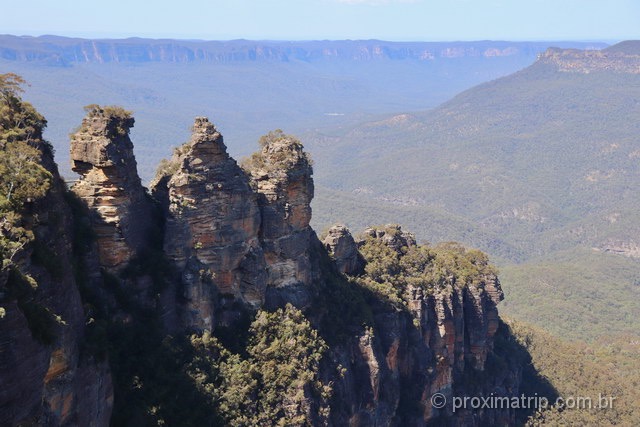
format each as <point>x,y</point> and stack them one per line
<point>390,271</point>
<point>22,177</point>
<point>120,120</point>
<point>278,152</point>
<point>23,180</point>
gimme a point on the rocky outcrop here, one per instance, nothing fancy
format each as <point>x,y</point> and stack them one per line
<point>281,174</point>
<point>344,250</point>
<point>212,224</point>
<point>48,376</point>
<point>392,236</point>
<point>436,343</point>
<point>102,153</point>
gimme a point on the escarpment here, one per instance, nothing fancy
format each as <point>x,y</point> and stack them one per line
<point>432,330</point>
<point>382,322</point>
<point>621,58</point>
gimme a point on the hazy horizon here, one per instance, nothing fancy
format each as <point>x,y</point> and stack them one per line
<point>283,20</point>
<point>281,40</point>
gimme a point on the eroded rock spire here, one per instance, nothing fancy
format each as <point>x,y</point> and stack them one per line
<point>281,173</point>
<point>102,153</point>
<point>212,228</point>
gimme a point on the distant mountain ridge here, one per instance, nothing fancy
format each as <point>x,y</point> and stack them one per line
<point>250,87</point>
<point>623,58</point>
<point>57,50</point>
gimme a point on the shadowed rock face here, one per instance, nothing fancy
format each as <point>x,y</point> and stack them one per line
<point>212,227</point>
<point>442,338</point>
<point>57,382</point>
<point>102,153</point>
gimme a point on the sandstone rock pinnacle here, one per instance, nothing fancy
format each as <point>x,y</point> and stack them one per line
<point>281,172</point>
<point>212,227</point>
<point>102,153</point>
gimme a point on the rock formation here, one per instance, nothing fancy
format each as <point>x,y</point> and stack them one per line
<point>48,375</point>
<point>434,344</point>
<point>237,240</point>
<point>621,58</point>
<point>392,236</point>
<point>281,174</point>
<point>212,224</point>
<point>344,250</point>
<point>102,153</point>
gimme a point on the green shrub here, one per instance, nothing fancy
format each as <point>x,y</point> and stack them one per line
<point>389,272</point>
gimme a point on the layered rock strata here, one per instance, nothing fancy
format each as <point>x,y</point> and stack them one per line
<point>239,240</point>
<point>281,173</point>
<point>437,343</point>
<point>102,154</point>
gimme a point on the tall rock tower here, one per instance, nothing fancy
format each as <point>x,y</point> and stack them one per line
<point>282,175</point>
<point>212,224</point>
<point>102,153</point>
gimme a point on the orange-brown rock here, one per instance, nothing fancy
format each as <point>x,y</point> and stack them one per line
<point>102,153</point>
<point>236,241</point>
<point>442,337</point>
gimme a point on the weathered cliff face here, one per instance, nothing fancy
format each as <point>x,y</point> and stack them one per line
<point>440,340</point>
<point>212,228</point>
<point>67,51</point>
<point>281,174</point>
<point>102,153</point>
<point>48,375</point>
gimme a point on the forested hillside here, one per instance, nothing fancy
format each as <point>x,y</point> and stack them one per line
<point>539,168</point>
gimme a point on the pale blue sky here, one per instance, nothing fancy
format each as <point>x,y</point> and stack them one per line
<point>421,20</point>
